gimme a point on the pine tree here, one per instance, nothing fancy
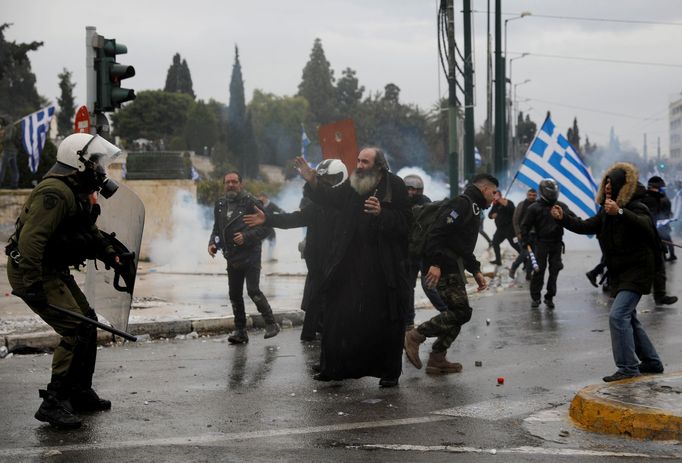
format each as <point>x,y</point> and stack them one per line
<point>178,78</point>
<point>240,138</point>
<point>18,94</point>
<point>573,135</point>
<point>348,93</point>
<point>67,104</point>
<point>317,86</point>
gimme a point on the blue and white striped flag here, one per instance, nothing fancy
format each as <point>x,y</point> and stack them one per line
<point>551,156</point>
<point>305,141</point>
<point>35,128</point>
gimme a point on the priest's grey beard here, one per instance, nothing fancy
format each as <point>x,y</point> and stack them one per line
<point>364,182</point>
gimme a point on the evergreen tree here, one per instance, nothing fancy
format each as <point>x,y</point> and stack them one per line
<point>317,86</point>
<point>240,135</point>
<point>178,78</point>
<point>67,104</point>
<point>573,135</point>
<point>348,93</point>
<point>18,94</point>
<point>201,128</point>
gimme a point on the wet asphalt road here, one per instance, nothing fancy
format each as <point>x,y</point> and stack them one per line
<point>205,400</point>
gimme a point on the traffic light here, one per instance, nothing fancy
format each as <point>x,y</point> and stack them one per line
<point>110,95</point>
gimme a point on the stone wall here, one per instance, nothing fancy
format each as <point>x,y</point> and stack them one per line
<point>156,195</point>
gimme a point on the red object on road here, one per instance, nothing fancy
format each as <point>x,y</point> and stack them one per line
<point>500,381</point>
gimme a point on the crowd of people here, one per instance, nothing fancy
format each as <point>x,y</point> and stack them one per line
<point>370,237</point>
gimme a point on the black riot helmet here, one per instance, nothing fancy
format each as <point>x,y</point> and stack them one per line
<point>549,190</point>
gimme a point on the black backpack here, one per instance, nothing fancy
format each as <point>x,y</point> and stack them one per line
<point>424,217</point>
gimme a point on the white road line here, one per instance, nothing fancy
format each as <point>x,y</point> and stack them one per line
<point>213,438</point>
<point>510,451</point>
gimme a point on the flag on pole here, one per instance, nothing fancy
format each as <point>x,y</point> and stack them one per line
<point>305,141</point>
<point>34,129</point>
<point>552,156</point>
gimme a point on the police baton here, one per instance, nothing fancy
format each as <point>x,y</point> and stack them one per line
<point>98,324</point>
<point>671,243</point>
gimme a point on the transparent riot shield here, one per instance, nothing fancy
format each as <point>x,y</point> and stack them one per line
<point>123,217</point>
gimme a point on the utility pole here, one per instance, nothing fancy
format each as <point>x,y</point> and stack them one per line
<point>489,91</point>
<point>499,168</point>
<point>469,165</point>
<point>453,160</point>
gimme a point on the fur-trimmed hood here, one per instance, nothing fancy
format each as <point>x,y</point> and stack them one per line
<point>627,190</point>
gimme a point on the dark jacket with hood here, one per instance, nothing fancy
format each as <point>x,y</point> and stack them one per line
<point>228,221</point>
<point>628,240</point>
<point>454,234</point>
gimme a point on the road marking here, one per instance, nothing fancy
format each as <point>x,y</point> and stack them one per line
<point>510,451</point>
<point>213,438</point>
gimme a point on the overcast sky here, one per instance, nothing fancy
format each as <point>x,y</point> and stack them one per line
<point>384,41</point>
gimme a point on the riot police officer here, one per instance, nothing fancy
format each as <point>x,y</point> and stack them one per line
<point>56,230</point>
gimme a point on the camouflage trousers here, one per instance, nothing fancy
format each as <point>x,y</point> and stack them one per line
<point>447,325</point>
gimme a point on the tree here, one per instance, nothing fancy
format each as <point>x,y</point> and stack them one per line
<point>573,135</point>
<point>348,94</point>
<point>154,115</point>
<point>525,130</point>
<point>277,125</point>
<point>239,130</point>
<point>18,94</point>
<point>317,86</point>
<point>178,78</point>
<point>67,104</point>
<point>201,128</point>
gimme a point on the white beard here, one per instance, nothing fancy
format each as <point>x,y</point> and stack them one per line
<point>365,182</point>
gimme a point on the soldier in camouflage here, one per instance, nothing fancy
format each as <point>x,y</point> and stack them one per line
<point>55,230</point>
<point>448,252</point>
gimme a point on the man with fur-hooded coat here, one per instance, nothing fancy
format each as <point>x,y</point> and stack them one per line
<point>627,237</point>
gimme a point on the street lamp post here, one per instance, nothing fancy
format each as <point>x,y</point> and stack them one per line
<point>514,115</point>
<point>522,15</point>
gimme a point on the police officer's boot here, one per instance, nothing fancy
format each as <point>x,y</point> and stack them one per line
<point>439,365</point>
<point>56,410</point>
<point>87,400</point>
<point>413,339</point>
<point>271,326</point>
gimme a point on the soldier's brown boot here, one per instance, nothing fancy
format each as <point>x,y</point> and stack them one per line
<point>413,339</point>
<point>439,365</point>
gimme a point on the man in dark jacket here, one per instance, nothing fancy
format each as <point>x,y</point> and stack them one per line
<point>449,250</point>
<point>366,277</point>
<point>502,213</point>
<point>628,240</point>
<point>660,209</point>
<point>548,241</point>
<point>321,223</point>
<point>241,248</point>
<point>517,219</point>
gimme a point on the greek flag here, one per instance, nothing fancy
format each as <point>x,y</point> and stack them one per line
<point>34,129</point>
<point>305,141</point>
<point>551,156</point>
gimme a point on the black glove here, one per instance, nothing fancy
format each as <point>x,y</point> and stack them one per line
<point>34,294</point>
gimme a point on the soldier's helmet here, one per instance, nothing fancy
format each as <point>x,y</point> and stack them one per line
<point>333,171</point>
<point>90,155</point>
<point>549,190</point>
<point>414,181</point>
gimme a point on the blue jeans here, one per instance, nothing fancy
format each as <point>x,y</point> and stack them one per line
<point>629,341</point>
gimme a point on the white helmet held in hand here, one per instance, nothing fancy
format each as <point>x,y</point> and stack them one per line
<point>333,170</point>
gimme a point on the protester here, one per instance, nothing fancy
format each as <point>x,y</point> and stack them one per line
<point>502,213</point>
<point>660,208</point>
<point>56,230</point>
<point>517,219</point>
<point>241,248</point>
<point>366,277</point>
<point>270,208</point>
<point>416,196</point>
<point>321,223</point>
<point>449,251</point>
<point>548,245</point>
<point>627,237</point>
